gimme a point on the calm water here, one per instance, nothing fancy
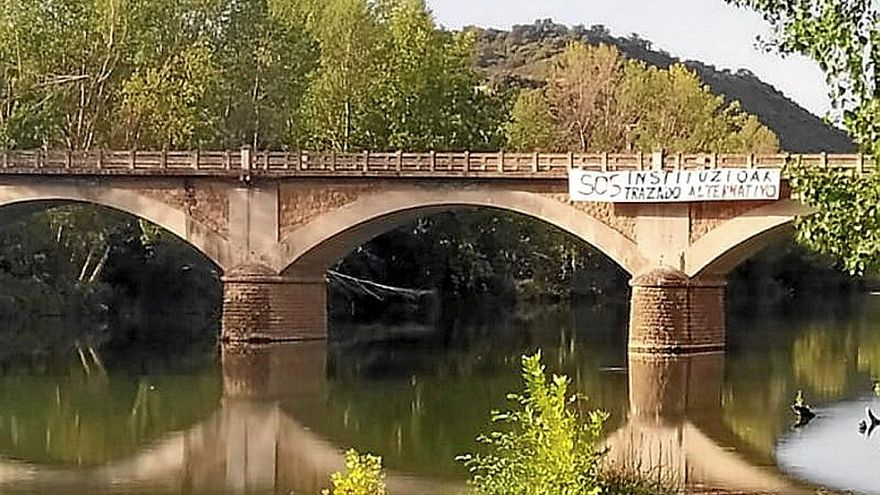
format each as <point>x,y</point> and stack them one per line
<point>276,419</point>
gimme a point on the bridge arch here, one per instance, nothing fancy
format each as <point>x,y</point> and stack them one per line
<point>206,241</point>
<point>315,246</point>
<point>723,248</point>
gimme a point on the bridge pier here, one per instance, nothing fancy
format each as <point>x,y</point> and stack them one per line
<point>673,314</point>
<point>259,305</point>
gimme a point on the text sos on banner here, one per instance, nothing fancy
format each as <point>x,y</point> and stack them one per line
<point>667,186</point>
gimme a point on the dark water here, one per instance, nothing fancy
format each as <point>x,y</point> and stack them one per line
<point>276,419</point>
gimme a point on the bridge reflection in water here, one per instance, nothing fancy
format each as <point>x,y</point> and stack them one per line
<point>674,427</point>
<point>250,444</point>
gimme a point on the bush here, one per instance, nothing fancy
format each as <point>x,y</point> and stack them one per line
<point>364,476</point>
<point>544,446</point>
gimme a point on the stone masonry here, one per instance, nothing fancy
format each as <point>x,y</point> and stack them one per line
<point>261,306</point>
<point>670,313</point>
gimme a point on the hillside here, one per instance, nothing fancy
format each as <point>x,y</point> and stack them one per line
<point>514,57</point>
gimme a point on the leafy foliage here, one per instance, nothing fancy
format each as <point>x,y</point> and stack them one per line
<point>387,78</point>
<point>846,223</point>
<point>843,37</point>
<point>595,100</point>
<point>364,476</point>
<point>542,446</point>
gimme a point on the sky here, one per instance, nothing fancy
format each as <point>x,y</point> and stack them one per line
<point>710,31</point>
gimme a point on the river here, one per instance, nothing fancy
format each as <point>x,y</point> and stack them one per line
<point>275,419</point>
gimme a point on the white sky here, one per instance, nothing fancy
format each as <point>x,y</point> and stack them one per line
<point>710,31</point>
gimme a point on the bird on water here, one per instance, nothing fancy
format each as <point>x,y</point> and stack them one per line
<point>803,411</point>
<point>872,422</point>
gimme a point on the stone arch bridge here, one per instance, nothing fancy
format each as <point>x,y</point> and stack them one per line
<point>274,222</point>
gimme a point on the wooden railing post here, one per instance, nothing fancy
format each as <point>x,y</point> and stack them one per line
<point>823,163</point>
<point>467,161</point>
<point>501,162</point>
<point>860,164</point>
<point>132,159</point>
<point>195,159</point>
<point>68,159</point>
<point>163,158</point>
<point>433,163</point>
<point>399,163</point>
<point>5,158</point>
<point>366,161</point>
<point>535,163</point>
<point>100,159</point>
<point>604,162</point>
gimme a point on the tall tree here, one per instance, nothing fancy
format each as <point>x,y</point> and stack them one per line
<point>595,100</point>
<point>532,124</point>
<point>65,56</point>
<point>431,96</point>
<point>338,106</point>
<point>268,57</point>
<point>582,90</point>
<point>672,109</point>
<point>843,37</point>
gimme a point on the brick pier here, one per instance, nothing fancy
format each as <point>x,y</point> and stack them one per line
<point>262,306</point>
<point>673,314</point>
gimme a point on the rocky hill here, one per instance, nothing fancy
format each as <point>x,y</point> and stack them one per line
<point>514,57</point>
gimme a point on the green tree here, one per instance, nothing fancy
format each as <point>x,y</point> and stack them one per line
<point>542,446</point>
<point>844,39</point>
<point>173,104</point>
<point>672,109</point>
<point>531,126</point>
<point>62,59</point>
<point>338,106</point>
<point>595,100</point>
<point>268,57</point>
<point>431,97</point>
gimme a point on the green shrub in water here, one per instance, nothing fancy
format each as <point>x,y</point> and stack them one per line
<point>363,477</point>
<point>544,446</point>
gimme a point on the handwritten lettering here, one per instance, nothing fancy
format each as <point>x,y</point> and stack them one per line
<point>660,186</point>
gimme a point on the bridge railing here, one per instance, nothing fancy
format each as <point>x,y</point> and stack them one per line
<point>399,164</point>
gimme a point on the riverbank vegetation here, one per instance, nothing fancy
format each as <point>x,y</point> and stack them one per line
<point>341,75</point>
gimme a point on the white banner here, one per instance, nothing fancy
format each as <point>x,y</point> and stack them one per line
<point>668,186</point>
